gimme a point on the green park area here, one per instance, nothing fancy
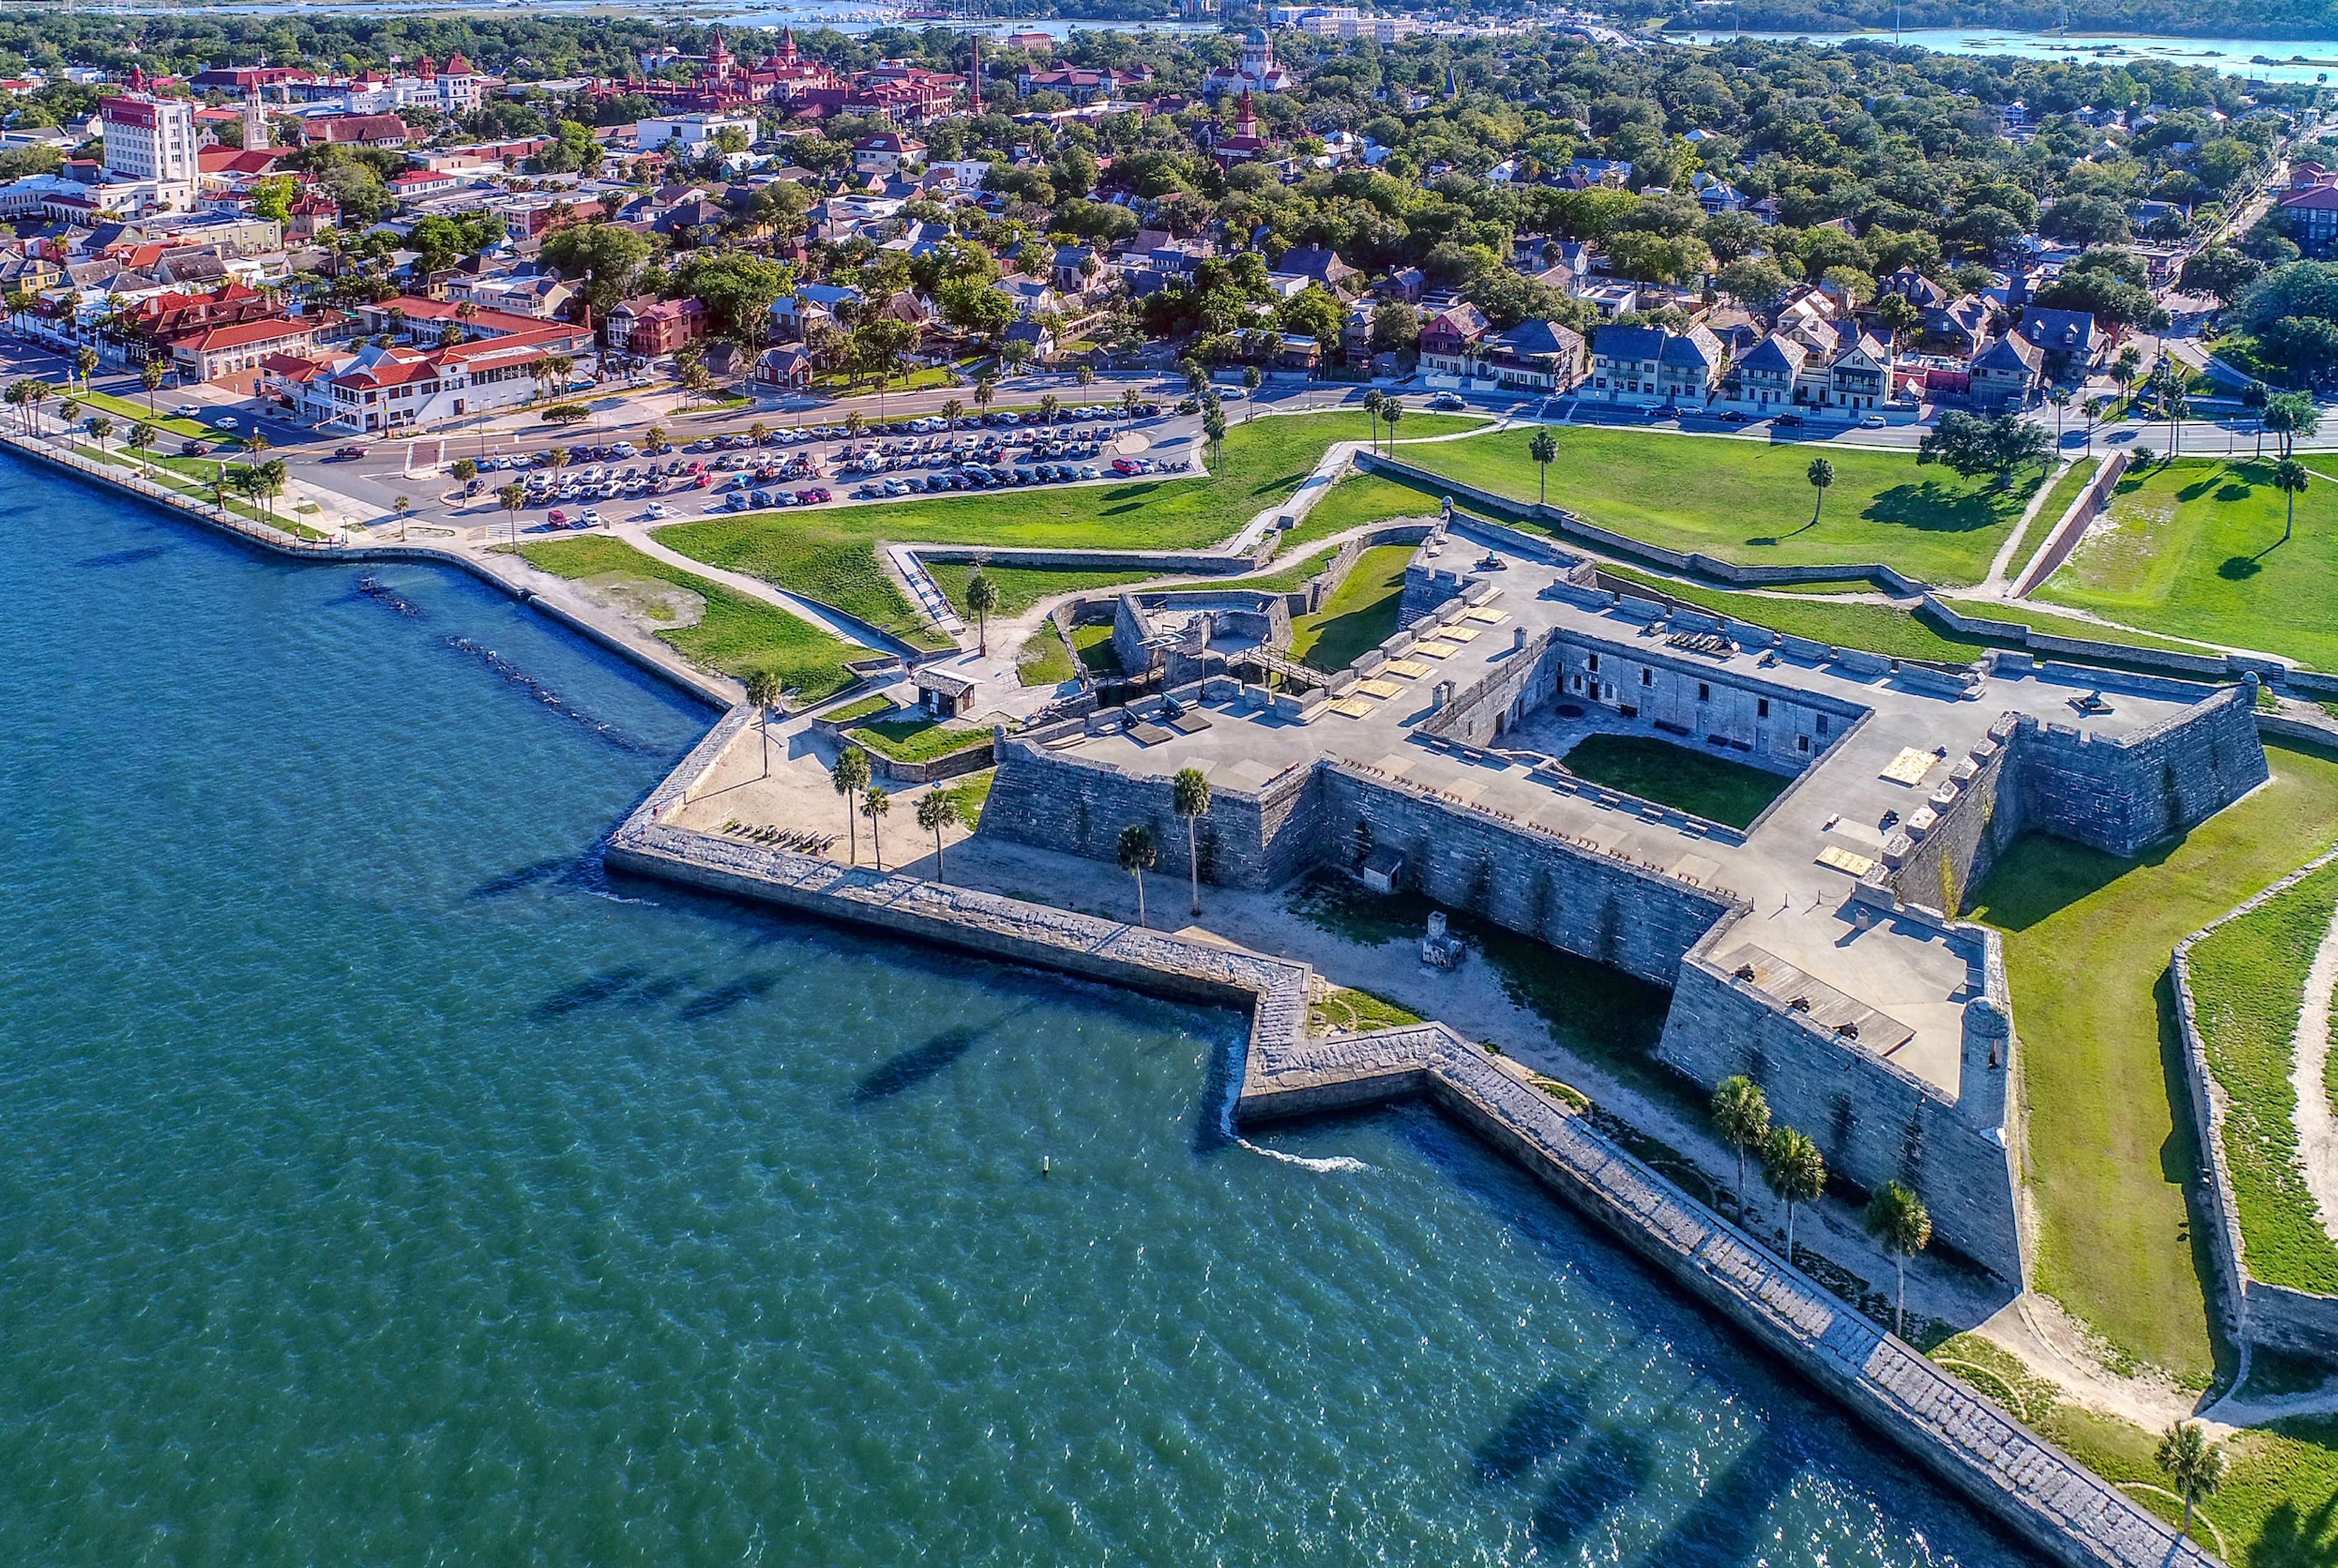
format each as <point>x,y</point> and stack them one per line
<point>1715,788</point>
<point>2110,1141</point>
<point>1021,587</point>
<point>1748,501</point>
<point>2248,982</point>
<point>715,627</point>
<point>1357,618</point>
<point>2193,548</point>
<point>830,555</point>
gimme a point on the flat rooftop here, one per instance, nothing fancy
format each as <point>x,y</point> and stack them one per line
<point>1799,926</point>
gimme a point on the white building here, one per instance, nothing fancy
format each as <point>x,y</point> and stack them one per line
<point>692,131</point>
<point>1256,72</point>
<point>153,140</point>
<point>379,390</point>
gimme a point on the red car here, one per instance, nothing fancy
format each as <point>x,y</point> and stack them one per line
<point>558,519</point>
<point>348,452</point>
<point>1123,467</point>
<point>811,497</point>
<point>701,482</point>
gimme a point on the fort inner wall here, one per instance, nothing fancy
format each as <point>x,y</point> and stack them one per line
<point>2119,796</point>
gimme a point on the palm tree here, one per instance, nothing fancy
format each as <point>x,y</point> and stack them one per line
<point>1138,853</point>
<point>655,436</point>
<point>854,424</point>
<point>2255,397</point>
<point>141,436</point>
<point>1374,402</point>
<point>2196,1465</point>
<point>511,498</point>
<point>1821,473</point>
<point>2289,478</point>
<point>1741,1114</point>
<point>953,410</point>
<point>85,361</point>
<point>68,411</point>
<point>1049,406</point>
<point>2179,408</point>
<point>1189,798</point>
<point>758,432</point>
<point>1544,450</point>
<point>1796,1173</point>
<point>402,505</point>
<point>256,442</point>
<point>1214,429</point>
<point>16,396</point>
<point>36,395</point>
<point>849,773</point>
<point>151,372</point>
<point>1084,375</point>
<point>1391,410</point>
<point>1898,1218</point>
<point>101,427</point>
<point>984,389</point>
<point>938,809</point>
<point>1128,402</point>
<point>763,690</point>
<point>1252,382</point>
<point>982,599</point>
<point>270,477</point>
<point>873,806</point>
<point>2060,397</point>
<point>2093,412</point>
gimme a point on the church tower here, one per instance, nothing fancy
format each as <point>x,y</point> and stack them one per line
<point>255,119</point>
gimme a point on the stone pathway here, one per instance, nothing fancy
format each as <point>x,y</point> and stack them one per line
<point>2000,576</point>
<point>811,611</point>
<point>2317,1126</point>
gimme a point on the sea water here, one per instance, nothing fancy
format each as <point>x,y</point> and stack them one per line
<point>381,1183</point>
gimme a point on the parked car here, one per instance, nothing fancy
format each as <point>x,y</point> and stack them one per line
<point>187,411</point>
<point>558,519</point>
<point>1733,417</point>
<point>588,518</point>
<point>1788,421</point>
<point>1872,422</point>
<point>655,510</point>
<point>194,449</point>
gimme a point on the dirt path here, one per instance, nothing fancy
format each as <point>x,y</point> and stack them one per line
<point>2317,1127</point>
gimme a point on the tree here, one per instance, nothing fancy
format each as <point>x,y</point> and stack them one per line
<point>953,410</point>
<point>984,389</point>
<point>2290,415</point>
<point>1898,1218</point>
<point>1390,412</point>
<point>1189,798</point>
<point>2220,273</point>
<point>511,498</point>
<point>1251,381</point>
<point>1897,315</point>
<point>1741,1114</point>
<point>567,413</point>
<point>1796,1173</point>
<point>1971,445</point>
<point>402,505</point>
<point>151,374</point>
<point>141,436</point>
<point>2196,1465</point>
<point>1138,853</point>
<point>2060,397</point>
<point>1016,352</point>
<point>1129,403</point>
<point>655,438</point>
<point>17,396</point>
<point>37,394</point>
<point>464,470</point>
<point>1544,450</point>
<point>100,427</point>
<point>85,361</point>
<point>2289,477</point>
<point>1049,406</point>
<point>938,809</point>
<point>763,690</point>
<point>982,599</point>
<point>2094,410</point>
<point>848,775</point>
<point>974,305</point>
<point>873,806</point>
<point>1375,405</point>
<point>1213,428</point>
<point>68,411</point>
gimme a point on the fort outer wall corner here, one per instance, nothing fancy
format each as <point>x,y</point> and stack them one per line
<point>2121,796</point>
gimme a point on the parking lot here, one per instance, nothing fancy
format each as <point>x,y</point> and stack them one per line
<point>821,464</point>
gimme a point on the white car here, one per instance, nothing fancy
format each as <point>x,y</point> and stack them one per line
<point>186,411</point>
<point>588,518</point>
<point>655,510</point>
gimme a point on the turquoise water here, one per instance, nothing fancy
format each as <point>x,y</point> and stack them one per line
<point>383,1185</point>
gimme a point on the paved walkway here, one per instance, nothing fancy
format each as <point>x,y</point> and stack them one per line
<point>811,611</point>
<point>2317,1126</point>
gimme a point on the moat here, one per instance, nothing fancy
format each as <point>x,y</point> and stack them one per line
<point>391,1176</point>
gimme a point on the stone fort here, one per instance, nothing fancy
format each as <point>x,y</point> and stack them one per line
<point>1817,949</point>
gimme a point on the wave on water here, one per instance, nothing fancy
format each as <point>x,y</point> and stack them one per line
<point>551,699</point>
<point>1231,1091</point>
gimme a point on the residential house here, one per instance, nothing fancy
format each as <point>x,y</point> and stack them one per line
<point>886,154</point>
<point>2004,376</point>
<point>1448,338</point>
<point>786,368</point>
<point>1767,376</point>
<point>1648,366</point>
<point>1322,266</point>
<point>2068,338</point>
<point>650,327</point>
<point>1041,337</point>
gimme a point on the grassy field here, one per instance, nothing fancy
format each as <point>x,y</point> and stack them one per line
<point>1714,787</point>
<point>1878,628</point>
<point>916,740</point>
<point>1094,646</point>
<point>733,635</point>
<point>830,554</point>
<point>1357,618</point>
<point>1020,587</point>
<point>1360,499</point>
<point>1747,501</point>
<point>2193,548</point>
<point>2249,981</point>
<point>1043,660</point>
<point>2074,478</point>
<point>127,411</point>
<point>2027,614</point>
<point>2280,1497</point>
<point>2110,1140</point>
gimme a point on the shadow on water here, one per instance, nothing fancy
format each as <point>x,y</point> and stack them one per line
<point>722,999</point>
<point>1605,1472</point>
<point>631,987</point>
<point>922,1062</point>
<point>586,872</point>
<point>554,869</point>
<point>1726,1524</point>
<point>122,557</point>
<point>1538,1427</point>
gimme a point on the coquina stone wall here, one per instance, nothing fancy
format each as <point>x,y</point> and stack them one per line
<point>2121,795</point>
<point>1874,1122</point>
<point>1941,869</point>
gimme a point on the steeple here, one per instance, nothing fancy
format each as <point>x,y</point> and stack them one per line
<point>255,119</point>
<point>1246,118</point>
<point>718,58</point>
<point>787,45</point>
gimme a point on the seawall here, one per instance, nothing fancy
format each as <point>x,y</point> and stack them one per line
<point>2045,1499</point>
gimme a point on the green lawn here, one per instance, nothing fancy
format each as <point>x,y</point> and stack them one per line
<point>1714,787</point>
<point>734,634</point>
<point>2194,549</point>
<point>2280,1497</point>
<point>128,411</point>
<point>2110,1140</point>
<point>2074,478</point>
<point>1285,579</point>
<point>1747,501</point>
<point>1020,587</point>
<point>1043,660</point>
<point>1094,646</point>
<point>917,739</point>
<point>2249,981</point>
<point>1360,499</point>
<point>830,554</point>
<point>2027,614</point>
<point>973,794</point>
<point>1360,617</point>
